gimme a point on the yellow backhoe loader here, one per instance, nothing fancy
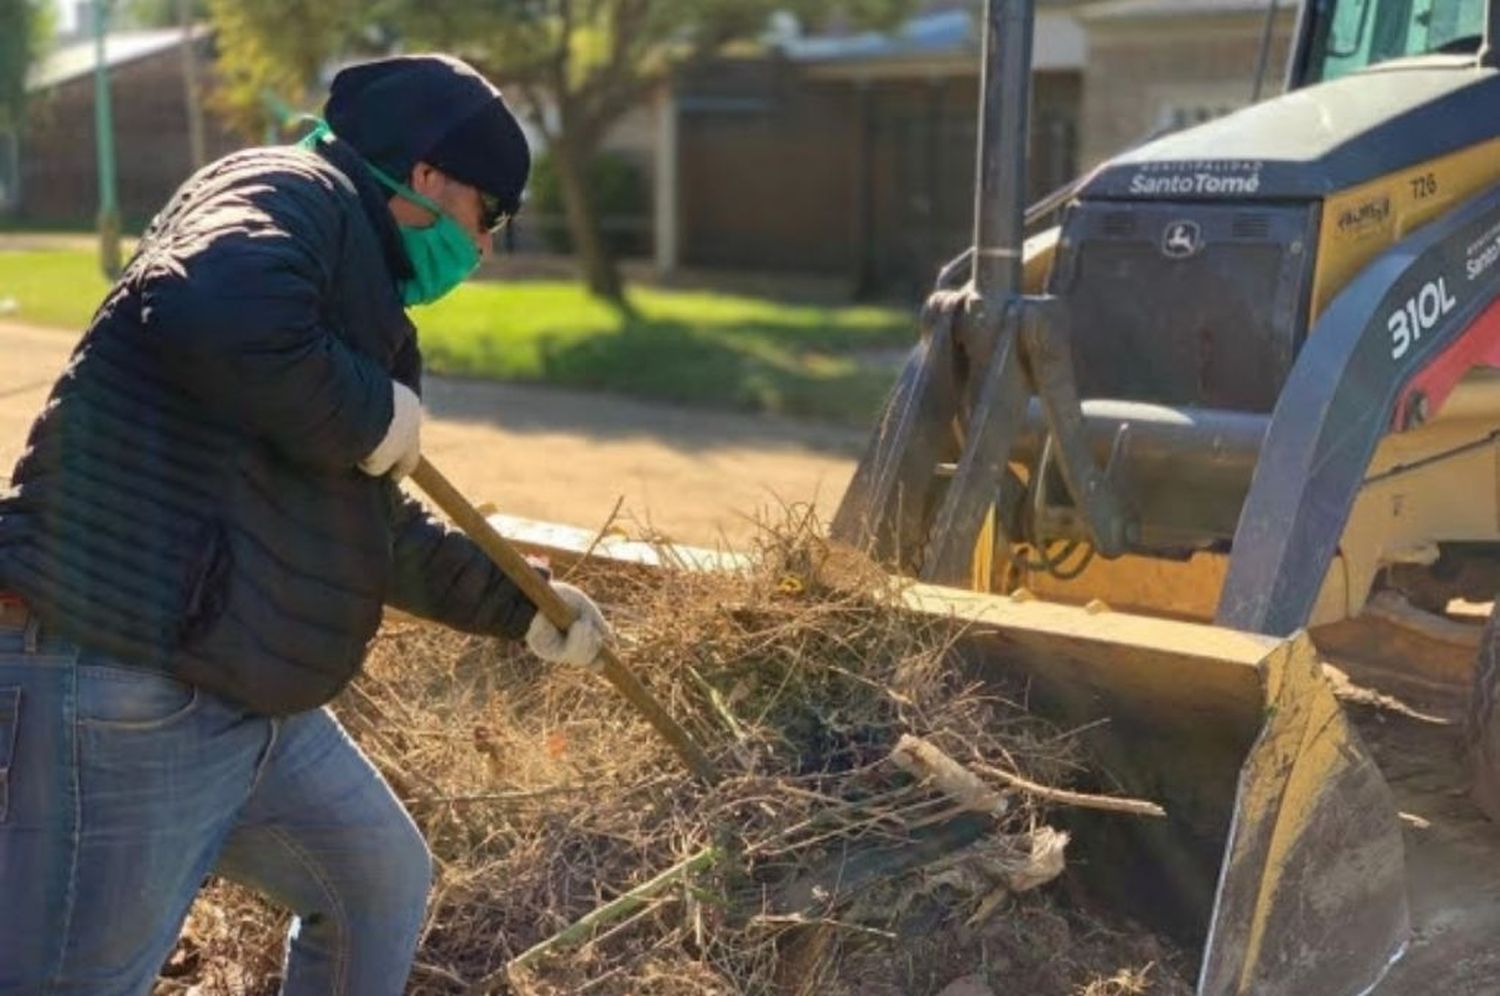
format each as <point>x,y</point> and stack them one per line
<point>1214,463</point>
<point>1233,419</point>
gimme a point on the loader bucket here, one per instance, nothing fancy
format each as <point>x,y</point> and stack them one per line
<point>1281,856</point>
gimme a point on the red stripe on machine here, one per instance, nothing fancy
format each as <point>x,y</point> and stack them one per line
<point>1477,346</point>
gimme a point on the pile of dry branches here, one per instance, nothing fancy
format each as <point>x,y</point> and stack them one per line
<point>868,836</point>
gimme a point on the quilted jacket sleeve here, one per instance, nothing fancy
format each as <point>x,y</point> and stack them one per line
<point>233,299</point>
<point>444,576</point>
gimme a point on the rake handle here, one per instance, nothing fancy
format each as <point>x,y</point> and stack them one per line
<point>557,612</point>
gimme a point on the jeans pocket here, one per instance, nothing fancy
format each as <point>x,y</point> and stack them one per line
<point>113,696</point>
<point>10,724</point>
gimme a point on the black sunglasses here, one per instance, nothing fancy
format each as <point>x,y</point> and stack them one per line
<point>491,215</point>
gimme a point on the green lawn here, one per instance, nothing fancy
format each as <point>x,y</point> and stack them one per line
<point>51,288</point>
<point>698,348</point>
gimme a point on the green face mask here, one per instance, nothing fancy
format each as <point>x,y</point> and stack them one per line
<point>442,255</point>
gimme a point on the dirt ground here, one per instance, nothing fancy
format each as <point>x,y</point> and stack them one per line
<point>565,456</point>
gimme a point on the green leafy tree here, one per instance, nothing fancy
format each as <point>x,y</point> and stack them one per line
<point>26,27</point>
<point>577,65</point>
<point>271,52</point>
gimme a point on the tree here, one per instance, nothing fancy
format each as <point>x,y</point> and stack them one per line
<point>25,27</point>
<point>272,51</point>
<point>578,65</point>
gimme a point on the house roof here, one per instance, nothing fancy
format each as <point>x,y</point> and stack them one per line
<point>76,59</point>
<point>1131,9</point>
<point>942,33</point>
<point>943,36</point>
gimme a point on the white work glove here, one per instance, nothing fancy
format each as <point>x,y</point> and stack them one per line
<point>401,448</point>
<point>581,644</point>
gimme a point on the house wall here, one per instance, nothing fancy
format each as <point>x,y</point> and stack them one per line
<point>1147,72</point>
<point>922,153</point>
<point>58,158</point>
<point>782,170</point>
<point>764,167</point>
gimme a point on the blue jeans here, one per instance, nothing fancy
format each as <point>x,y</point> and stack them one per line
<point>121,789</point>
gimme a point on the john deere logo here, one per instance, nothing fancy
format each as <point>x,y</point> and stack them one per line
<point>1182,239</point>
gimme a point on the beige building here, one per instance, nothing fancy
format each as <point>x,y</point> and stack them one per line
<point>1157,65</point>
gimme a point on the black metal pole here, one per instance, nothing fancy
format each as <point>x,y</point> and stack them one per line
<point>1263,60</point>
<point>1487,50</point>
<point>1005,102</point>
<point>992,331</point>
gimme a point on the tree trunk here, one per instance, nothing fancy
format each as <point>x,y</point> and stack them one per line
<point>600,272</point>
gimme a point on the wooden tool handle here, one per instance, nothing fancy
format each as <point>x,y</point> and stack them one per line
<point>558,612</point>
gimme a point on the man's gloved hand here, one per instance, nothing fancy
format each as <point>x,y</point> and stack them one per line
<point>401,448</point>
<point>580,645</point>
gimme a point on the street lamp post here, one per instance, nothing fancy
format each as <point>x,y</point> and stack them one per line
<point>104,141</point>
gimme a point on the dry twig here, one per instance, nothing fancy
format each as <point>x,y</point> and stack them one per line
<point>540,796</point>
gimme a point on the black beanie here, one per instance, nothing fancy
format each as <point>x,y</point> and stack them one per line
<point>434,109</point>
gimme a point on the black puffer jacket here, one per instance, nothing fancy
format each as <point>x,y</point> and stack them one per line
<point>188,499</point>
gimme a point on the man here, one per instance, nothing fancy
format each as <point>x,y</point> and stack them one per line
<point>202,531</point>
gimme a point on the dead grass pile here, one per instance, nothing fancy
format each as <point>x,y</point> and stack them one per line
<point>821,863</point>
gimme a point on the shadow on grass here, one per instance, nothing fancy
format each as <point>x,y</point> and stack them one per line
<point>675,362</point>
<point>839,376</point>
